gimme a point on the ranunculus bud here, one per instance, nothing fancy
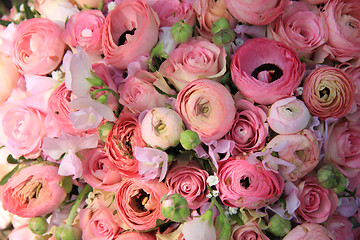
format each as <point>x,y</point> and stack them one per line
<point>329,176</point>
<point>38,225</point>
<point>65,232</point>
<point>342,184</point>
<point>175,207</point>
<point>279,226</point>
<point>181,31</point>
<point>224,37</point>
<point>189,139</point>
<point>104,130</point>
<point>219,25</point>
<point>161,128</point>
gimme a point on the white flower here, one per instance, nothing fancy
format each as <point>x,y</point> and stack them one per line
<point>233,210</point>
<point>212,180</point>
<point>111,6</point>
<point>215,193</point>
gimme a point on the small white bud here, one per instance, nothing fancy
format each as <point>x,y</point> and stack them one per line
<point>215,193</point>
<point>111,6</point>
<point>233,210</point>
<point>212,180</point>
<point>58,74</point>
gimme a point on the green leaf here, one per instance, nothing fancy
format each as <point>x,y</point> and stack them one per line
<point>6,178</point>
<point>4,23</point>
<point>163,93</point>
<point>10,159</point>
<point>223,226</point>
<point>28,13</point>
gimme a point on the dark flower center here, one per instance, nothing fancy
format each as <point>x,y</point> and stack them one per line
<point>122,38</point>
<point>324,92</point>
<point>140,199</point>
<point>245,182</point>
<point>274,71</point>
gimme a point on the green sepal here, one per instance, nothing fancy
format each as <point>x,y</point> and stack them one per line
<point>66,184</point>
<point>6,178</point>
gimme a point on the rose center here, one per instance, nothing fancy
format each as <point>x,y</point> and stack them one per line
<point>122,38</point>
<point>245,182</point>
<point>267,72</point>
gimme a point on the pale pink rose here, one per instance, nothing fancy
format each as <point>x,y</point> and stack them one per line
<point>288,116</point>
<point>250,230</point>
<point>95,171</point>
<point>258,12</point>
<point>316,203</point>
<point>342,147</point>
<point>189,180</point>
<point>249,130</point>
<point>340,227</point>
<point>33,191</point>
<point>135,236</point>
<point>242,184</point>
<point>207,108</point>
<point>328,92</point>
<point>198,228</point>
<point>302,150</point>
<point>195,59</point>
<point>120,144</point>
<point>138,203</point>
<point>265,70</point>
<point>38,47</point>
<point>172,11</point>
<point>299,28</point>
<point>125,29</point>
<point>343,21</point>
<point>9,76</point>
<point>22,232</point>
<point>309,231</point>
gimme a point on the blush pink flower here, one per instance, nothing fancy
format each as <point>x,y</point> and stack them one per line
<point>125,28</point>
<point>340,227</point>
<point>309,231</point>
<point>9,76</point>
<point>242,184</point>
<point>207,108</point>
<point>265,70</point>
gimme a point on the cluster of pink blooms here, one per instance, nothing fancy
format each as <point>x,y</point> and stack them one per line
<point>180,119</point>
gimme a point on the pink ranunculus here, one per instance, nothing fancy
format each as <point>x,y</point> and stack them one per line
<point>316,203</point>
<point>95,171</point>
<point>38,47</point>
<point>249,130</point>
<point>343,21</point>
<point>265,70</point>
<point>300,28</point>
<point>172,11</point>
<point>189,180</point>
<point>195,59</point>
<point>33,191</point>
<point>258,12</point>
<point>138,202</point>
<point>9,76</point>
<point>340,227</point>
<point>125,29</point>
<point>207,108</point>
<point>342,147</point>
<point>135,236</point>
<point>250,230</point>
<point>302,150</point>
<point>328,92</point>
<point>242,184</point>
<point>288,116</point>
<point>120,144</point>
<point>309,231</point>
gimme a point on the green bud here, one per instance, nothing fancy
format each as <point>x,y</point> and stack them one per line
<point>38,225</point>
<point>65,232</point>
<point>327,177</point>
<point>104,130</point>
<point>279,226</point>
<point>219,25</point>
<point>189,139</point>
<point>224,37</point>
<point>181,31</point>
<point>342,185</point>
<point>175,207</point>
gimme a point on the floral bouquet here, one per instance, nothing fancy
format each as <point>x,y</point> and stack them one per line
<point>180,119</point>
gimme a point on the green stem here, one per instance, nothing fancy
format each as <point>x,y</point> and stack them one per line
<point>105,89</point>
<point>214,201</point>
<point>76,204</point>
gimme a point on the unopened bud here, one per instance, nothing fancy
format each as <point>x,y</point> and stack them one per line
<point>327,177</point>
<point>279,226</point>
<point>219,25</point>
<point>181,32</point>
<point>65,232</point>
<point>175,207</point>
<point>38,225</point>
<point>189,139</point>
<point>224,37</point>
<point>104,130</point>
<point>342,185</point>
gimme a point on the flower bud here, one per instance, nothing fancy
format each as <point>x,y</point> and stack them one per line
<point>189,139</point>
<point>224,37</point>
<point>38,225</point>
<point>181,32</point>
<point>104,130</point>
<point>279,226</point>
<point>65,232</point>
<point>219,25</point>
<point>329,177</point>
<point>342,185</point>
<point>175,207</point>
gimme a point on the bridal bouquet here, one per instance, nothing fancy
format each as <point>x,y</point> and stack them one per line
<point>180,119</point>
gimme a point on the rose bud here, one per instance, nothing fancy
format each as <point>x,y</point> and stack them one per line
<point>219,25</point>
<point>38,225</point>
<point>64,232</point>
<point>161,128</point>
<point>288,116</point>
<point>181,32</point>
<point>189,139</point>
<point>279,226</point>
<point>224,37</point>
<point>175,207</point>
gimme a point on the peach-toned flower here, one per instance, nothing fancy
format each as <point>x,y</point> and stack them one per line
<point>9,76</point>
<point>309,231</point>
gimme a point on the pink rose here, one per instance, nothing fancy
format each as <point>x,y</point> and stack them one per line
<point>125,29</point>
<point>250,129</point>
<point>250,230</point>
<point>120,144</point>
<point>38,47</point>
<point>33,191</point>
<point>265,70</point>
<point>189,180</point>
<point>328,92</point>
<point>242,184</point>
<point>138,203</point>
<point>340,227</point>
<point>207,108</point>
<point>135,236</point>
<point>343,21</point>
<point>195,59</point>
<point>316,202</point>
<point>299,28</point>
<point>309,231</point>
<point>258,12</point>
<point>9,76</point>
<point>342,147</point>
